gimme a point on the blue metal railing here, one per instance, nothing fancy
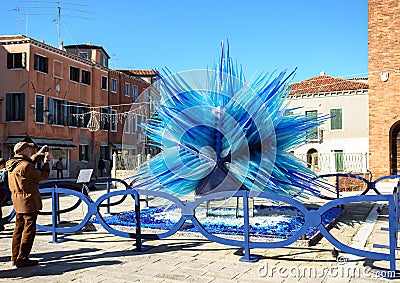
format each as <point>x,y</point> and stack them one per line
<point>312,216</point>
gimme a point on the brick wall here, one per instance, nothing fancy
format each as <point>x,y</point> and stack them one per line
<point>384,97</point>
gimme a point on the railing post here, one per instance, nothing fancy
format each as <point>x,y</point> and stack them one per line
<point>54,213</point>
<point>393,230</point>
<point>138,223</point>
<point>246,231</point>
<point>108,199</point>
<point>337,187</point>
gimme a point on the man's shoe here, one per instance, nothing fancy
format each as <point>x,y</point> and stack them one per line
<point>26,262</point>
<point>2,228</point>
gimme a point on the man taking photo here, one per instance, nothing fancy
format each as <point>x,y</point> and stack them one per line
<point>23,180</point>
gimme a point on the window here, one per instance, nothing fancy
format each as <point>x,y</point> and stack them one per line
<point>114,120</point>
<point>127,90</point>
<point>16,60</point>
<point>57,69</point>
<point>104,119</point>
<point>41,63</point>
<point>103,60</point>
<point>105,152</point>
<point>57,112</point>
<point>39,107</point>
<point>84,55</point>
<point>134,93</point>
<point>113,85</point>
<point>336,120</point>
<point>312,134</point>
<point>74,74</point>
<point>15,110</point>
<point>339,160</point>
<point>104,82</point>
<point>85,77</point>
<point>83,152</point>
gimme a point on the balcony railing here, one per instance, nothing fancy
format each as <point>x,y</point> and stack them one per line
<point>329,163</point>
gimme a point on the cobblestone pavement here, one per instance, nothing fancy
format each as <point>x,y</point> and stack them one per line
<point>101,257</point>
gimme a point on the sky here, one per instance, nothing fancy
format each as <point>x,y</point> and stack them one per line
<point>264,35</point>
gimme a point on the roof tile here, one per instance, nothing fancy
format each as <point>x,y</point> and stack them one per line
<point>324,83</point>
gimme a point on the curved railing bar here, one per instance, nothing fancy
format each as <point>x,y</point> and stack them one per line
<point>175,200</point>
<point>348,175</point>
<point>312,217</point>
<point>377,181</point>
<point>296,236</point>
<point>343,247</point>
<point>60,183</point>
<point>103,223</point>
<point>108,182</point>
<point>57,190</point>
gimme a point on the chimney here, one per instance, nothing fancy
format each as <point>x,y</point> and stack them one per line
<point>322,73</point>
<point>61,45</point>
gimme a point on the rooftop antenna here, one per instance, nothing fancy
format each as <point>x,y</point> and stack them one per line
<point>19,19</point>
<point>60,44</point>
<point>115,61</point>
<point>57,20</point>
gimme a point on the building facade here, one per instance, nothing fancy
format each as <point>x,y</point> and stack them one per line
<point>341,144</point>
<point>70,100</point>
<point>384,86</point>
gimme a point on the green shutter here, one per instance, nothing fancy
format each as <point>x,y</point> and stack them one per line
<point>339,160</point>
<point>336,119</point>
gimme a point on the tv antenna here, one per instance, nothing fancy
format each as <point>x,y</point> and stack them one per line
<point>19,19</point>
<point>59,6</point>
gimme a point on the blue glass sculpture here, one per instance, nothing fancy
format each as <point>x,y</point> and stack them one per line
<point>217,133</point>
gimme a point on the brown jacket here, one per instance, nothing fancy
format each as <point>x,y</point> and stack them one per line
<point>23,180</point>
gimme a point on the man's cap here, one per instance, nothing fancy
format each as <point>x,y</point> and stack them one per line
<point>20,146</point>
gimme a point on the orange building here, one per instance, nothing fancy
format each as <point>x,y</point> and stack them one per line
<point>70,100</point>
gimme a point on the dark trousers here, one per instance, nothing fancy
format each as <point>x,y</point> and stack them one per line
<point>24,235</point>
<point>60,172</point>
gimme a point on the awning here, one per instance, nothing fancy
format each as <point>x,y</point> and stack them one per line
<point>54,143</point>
<point>14,140</point>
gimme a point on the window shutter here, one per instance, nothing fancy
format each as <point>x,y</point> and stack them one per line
<point>35,65</point>
<point>46,65</point>
<point>22,107</point>
<point>64,114</point>
<point>51,109</point>
<point>87,116</point>
<point>9,61</point>
<point>8,108</point>
<point>23,60</point>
